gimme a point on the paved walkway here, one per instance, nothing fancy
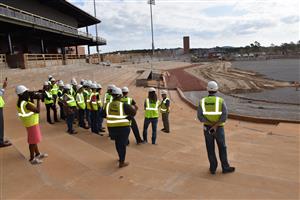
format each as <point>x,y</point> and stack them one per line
<point>85,166</point>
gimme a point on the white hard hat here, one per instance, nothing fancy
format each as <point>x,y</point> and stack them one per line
<point>152,89</point>
<point>68,87</point>
<point>50,76</point>
<point>116,91</point>
<point>89,82</point>
<point>125,89</point>
<point>52,79</point>
<point>82,81</point>
<point>85,83</point>
<point>78,87</point>
<point>46,83</point>
<point>60,83</point>
<point>73,81</point>
<point>93,86</point>
<point>164,92</point>
<point>20,89</point>
<point>99,86</point>
<point>212,86</point>
<point>110,86</point>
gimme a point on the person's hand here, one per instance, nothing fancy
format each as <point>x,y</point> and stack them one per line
<point>5,83</point>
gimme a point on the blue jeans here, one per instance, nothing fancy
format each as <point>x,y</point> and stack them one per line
<point>88,116</point>
<point>70,120</point>
<point>219,136</point>
<point>147,122</point>
<point>94,121</point>
<point>100,119</point>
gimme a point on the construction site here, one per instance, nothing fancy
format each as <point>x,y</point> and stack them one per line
<point>262,135</point>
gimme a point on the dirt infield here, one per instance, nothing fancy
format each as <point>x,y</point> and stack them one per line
<point>184,80</point>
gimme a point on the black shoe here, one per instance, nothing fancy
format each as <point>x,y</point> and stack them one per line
<point>212,172</point>
<point>166,131</point>
<point>57,121</point>
<point>228,170</point>
<point>50,122</point>
<point>103,131</point>
<point>162,129</point>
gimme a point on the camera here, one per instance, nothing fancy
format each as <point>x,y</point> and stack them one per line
<point>211,131</point>
<point>36,94</point>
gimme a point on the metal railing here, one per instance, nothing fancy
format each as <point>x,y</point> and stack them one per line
<point>21,15</point>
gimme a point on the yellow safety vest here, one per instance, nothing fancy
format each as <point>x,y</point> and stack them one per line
<point>107,98</point>
<point>71,102</point>
<point>80,101</point>
<point>49,96</point>
<point>151,109</point>
<point>163,107</point>
<point>115,115</point>
<point>54,89</point>
<point>127,100</point>
<point>99,100</point>
<point>28,118</point>
<point>94,103</point>
<point>212,109</point>
<point>2,103</point>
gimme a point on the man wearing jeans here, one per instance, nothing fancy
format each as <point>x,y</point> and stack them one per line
<point>212,111</point>
<point>3,143</point>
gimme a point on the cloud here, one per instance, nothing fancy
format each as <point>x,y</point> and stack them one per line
<point>126,23</point>
<point>290,19</point>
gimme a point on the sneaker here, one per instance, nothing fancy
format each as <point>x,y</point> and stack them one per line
<point>36,161</point>
<point>41,156</point>
<point>123,164</point>
<point>228,170</point>
<point>5,144</point>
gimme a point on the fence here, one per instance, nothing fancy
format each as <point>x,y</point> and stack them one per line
<point>75,59</point>
<point>21,15</point>
<point>42,60</point>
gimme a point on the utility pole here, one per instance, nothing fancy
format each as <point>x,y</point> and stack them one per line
<point>152,2</point>
<point>97,47</point>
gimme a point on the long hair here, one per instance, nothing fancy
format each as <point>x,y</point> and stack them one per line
<point>152,97</point>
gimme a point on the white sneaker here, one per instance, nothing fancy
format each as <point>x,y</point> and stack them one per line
<point>36,161</point>
<point>42,155</point>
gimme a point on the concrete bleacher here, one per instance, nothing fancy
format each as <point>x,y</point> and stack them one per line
<point>84,166</point>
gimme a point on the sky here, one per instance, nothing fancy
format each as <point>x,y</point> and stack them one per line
<point>209,23</point>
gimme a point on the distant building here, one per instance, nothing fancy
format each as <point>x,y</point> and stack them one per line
<point>30,27</point>
<point>186,45</point>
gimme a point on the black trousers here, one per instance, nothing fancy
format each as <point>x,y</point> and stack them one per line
<point>81,122</point>
<point>53,107</point>
<point>62,113</point>
<point>165,120</point>
<point>1,126</point>
<point>136,132</point>
<point>94,121</point>
<point>120,135</point>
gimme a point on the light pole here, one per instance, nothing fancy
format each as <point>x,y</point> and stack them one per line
<point>97,47</point>
<point>152,2</point>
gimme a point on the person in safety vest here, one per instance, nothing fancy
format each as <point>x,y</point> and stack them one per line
<point>54,90</point>
<point>134,126</point>
<point>3,143</point>
<point>165,110</point>
<point>108,97</point>
<point>81,105</point>
<point>73,88</point>
<point>60,94</point>
<point>87,94</point>
<point>49,103</point>
<point>94,110</point>
<point>100,108</point>
<point>29,115</point>
<point>118,116</point>
<point>70,108</point>
<point>151,107</point>
<point>212,111</point>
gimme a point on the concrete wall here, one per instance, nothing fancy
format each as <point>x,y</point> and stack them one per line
<point>35,7</point>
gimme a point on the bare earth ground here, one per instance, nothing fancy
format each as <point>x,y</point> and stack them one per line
<point>84,166</point>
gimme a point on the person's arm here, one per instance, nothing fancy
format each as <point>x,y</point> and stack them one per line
<point>200,115</point>
<point>145,105</point>
<point>3,87</point>
<point>33,108</point>
<point>134,105</point>
<point>223,116</point>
